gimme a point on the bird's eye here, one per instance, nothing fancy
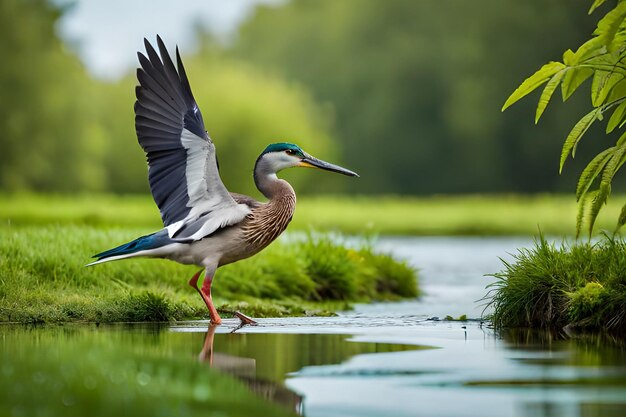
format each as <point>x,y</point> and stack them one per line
<point>290,152</point>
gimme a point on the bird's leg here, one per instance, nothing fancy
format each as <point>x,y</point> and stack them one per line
<point>206,296</point>
<point>205,293</point>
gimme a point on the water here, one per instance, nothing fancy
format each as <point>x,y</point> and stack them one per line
<point>452,272</point>
<point>385,359</point>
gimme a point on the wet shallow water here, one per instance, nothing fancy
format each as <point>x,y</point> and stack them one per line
<point>435,369</point>
<point>452,272</point>
<point>382,359</point>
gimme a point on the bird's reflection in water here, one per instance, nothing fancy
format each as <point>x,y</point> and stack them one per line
<point>245,370</point>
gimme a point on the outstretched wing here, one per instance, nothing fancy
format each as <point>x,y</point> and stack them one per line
<point>183,172</point>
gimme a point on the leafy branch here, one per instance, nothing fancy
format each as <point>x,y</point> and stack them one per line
<point>603,59</point>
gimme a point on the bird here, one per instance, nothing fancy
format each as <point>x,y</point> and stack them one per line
<point>204,224</point>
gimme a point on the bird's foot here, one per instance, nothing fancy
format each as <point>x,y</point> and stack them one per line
<point>245,320</point>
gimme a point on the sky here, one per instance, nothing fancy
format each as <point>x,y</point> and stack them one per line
<point>107,34</point>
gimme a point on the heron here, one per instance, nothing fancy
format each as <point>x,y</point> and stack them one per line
<point>204,223</point>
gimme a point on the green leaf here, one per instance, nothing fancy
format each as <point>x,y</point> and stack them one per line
<point>534,81</point>
<point>573,79</point>
<point>580,214</point>
<point>576,134</point>
<point>621,220</point>
<point>621,140</point>
<point>547,92</point>
<point>618,92</point>
<point>596,204</point>
<point>617,117</point>
<point>591,171</point>
<point>613,165</point>
<point>610,24</point>
<point>595,5</point>
<point>592,48</point>
<point>602,84</point>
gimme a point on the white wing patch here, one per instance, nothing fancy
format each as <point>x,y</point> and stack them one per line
<point>207,195</point>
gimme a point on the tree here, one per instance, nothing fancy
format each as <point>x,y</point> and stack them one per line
<point>65,131</point>
<point>413,85</point>
<point>46,108</point>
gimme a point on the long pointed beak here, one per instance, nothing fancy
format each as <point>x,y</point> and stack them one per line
<point>312,162</point>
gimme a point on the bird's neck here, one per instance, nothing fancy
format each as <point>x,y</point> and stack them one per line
<point>269,184</point>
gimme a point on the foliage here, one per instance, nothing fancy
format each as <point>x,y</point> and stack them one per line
<point>601,59</point>
<point>46,106</point>
<point>549,286</point>
<point>413,86</point>
<point>43,279</point>
<point>404,91</point>
<point>65,131</point>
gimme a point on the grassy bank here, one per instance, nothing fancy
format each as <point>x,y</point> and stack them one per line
<point>549,286</point>
<point>439,215</point>
<point>43,278</point>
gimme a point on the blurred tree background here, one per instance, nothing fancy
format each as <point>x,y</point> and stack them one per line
<point>407,93</point>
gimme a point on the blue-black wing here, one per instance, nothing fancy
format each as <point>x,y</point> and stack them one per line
<point>183,174</point>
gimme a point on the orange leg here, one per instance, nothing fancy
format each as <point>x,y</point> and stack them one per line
<point>205,293</point>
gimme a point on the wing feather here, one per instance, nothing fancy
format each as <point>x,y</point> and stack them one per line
<point>183,172</point>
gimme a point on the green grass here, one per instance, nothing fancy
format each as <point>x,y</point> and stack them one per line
<point>43,278</point>
<point>438,215</point>
<point>549,286</point>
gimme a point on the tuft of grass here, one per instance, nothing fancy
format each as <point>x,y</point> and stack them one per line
<point>393,277</point>
<point>43,279</point>
<point>582,285</point>
<point>333,268</point>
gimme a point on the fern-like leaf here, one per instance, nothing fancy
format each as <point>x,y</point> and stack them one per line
<point>580,213</point>
<point>617,117</point>
<point>621,220</point>
<point>602,84</point>
<point>613,165</point>
<point>621,140</point>
<point>591,171</point>
<point>595,5</point>
<point>597,202</point>
<point>573,79</point>
<point>590,49</point>
<point>618,93</point>
<point>576,134</point>
<point>531,83</point>
<point>609,25</point>
<point>547,92</point>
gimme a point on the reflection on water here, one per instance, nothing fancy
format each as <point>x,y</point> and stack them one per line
<point>424,368</point>
<point>245,369</point>
<point>263,361</point>
<point>475,372</point>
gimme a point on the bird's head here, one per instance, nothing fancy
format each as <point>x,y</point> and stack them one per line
<point>279,156</point>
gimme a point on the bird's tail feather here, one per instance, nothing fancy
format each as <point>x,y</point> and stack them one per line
<point>130,249</point>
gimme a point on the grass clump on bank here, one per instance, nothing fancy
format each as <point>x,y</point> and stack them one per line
<point>43,279</point>
<point>582,285</point>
